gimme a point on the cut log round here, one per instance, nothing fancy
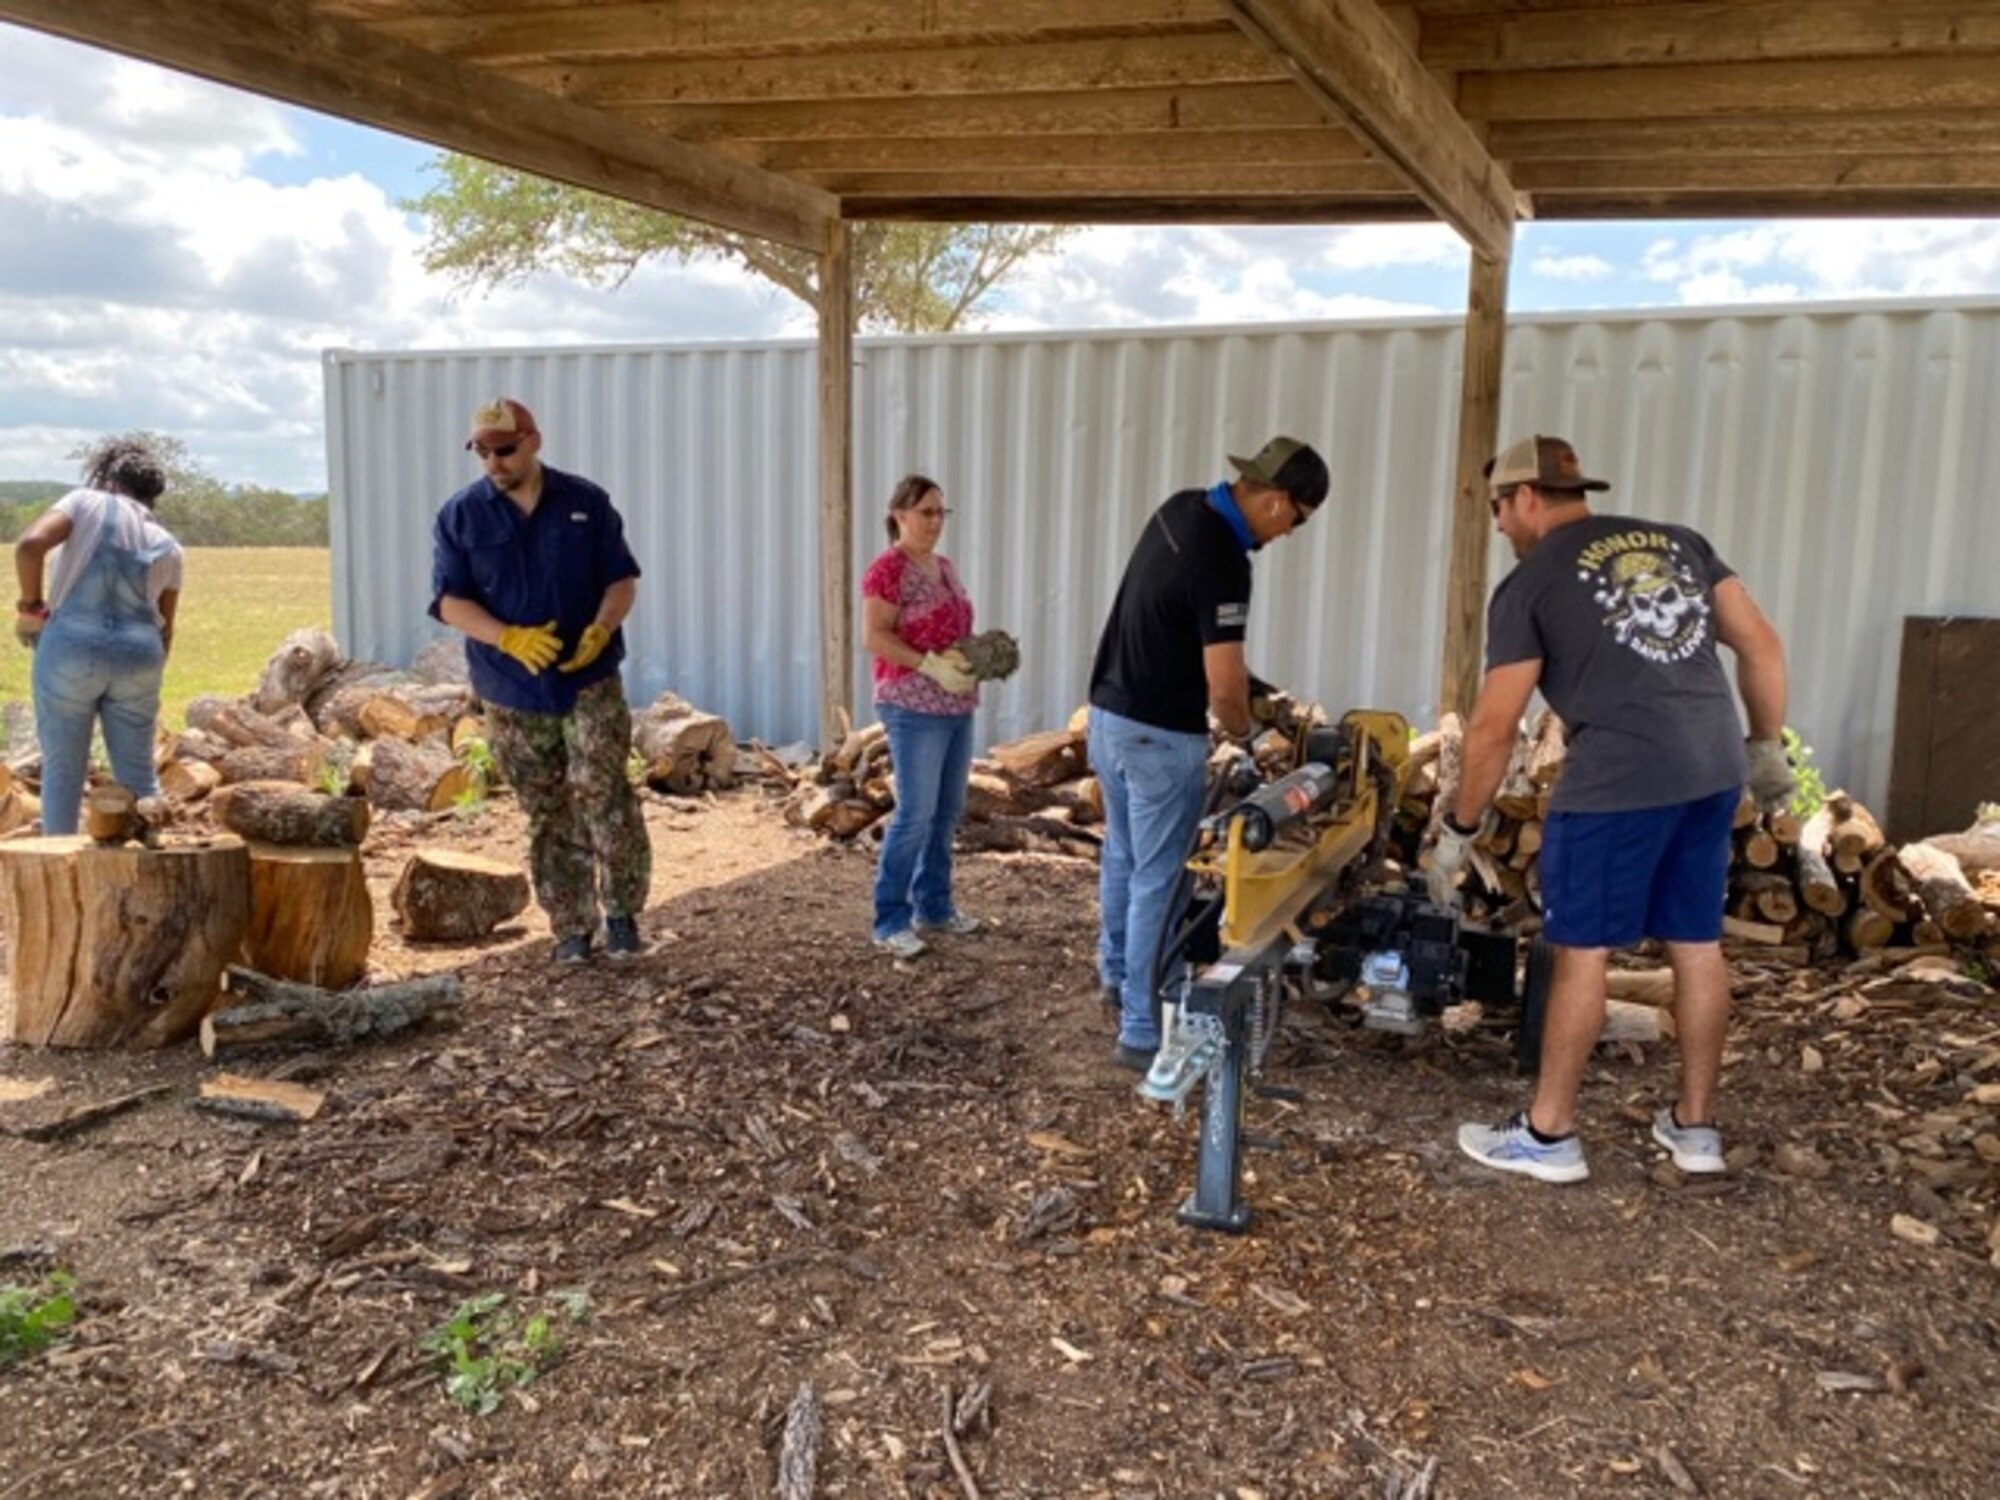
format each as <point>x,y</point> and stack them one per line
<point>281,812</point>
<point>1867,928</point>
<point>387,716</point>
<point>1759,850</point>
<point>311,917</point>
<point>1855,834</point>
<point>1886,889</point>
<point>304,659</point>
<point>443,895</point>
<point>415,778</point>
<point>119,946</point>
<point>685,750</point>
<point>1771,896</point>
<point>188,780</point>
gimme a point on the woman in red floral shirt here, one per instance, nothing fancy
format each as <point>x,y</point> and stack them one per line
<point>913,611</point>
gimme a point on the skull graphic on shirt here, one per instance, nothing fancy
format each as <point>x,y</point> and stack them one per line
<point>1652,602</point>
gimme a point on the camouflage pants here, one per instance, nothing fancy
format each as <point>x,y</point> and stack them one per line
<point>586,838</point>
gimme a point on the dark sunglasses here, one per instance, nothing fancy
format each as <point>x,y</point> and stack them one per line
<point>1494,502</point>
<point>505,450</point>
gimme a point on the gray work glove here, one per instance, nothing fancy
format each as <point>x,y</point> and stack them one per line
<point>1772,780</point>
<point>1448,857</point>
<point>949,670</point>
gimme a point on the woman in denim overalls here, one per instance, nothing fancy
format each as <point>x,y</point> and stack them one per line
<point>101,642</point>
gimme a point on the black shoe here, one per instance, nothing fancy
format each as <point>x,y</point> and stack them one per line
<point>1138,1059</point>
<point>621,938</point>
<point>572,950</point>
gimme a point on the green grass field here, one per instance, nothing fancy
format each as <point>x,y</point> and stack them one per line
<point>237,604</point>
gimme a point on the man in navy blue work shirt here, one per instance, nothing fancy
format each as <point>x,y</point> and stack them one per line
<point>531,564</point>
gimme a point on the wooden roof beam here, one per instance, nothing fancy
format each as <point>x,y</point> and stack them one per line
<point>1325,146</point>
<point>1516,141</point>
<point>1352,58</point>
<point>1115,208</point>
<point>1165,179</point>
<point>282,49</point>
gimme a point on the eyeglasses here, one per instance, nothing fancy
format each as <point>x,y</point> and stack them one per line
<point>930,512</point>
<point>505,450</point>
<point>1494,502</point>
<point>1300,515</point>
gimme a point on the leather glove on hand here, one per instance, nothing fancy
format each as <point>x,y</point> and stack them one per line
<point>28,625</point>
<point>1448,858</point>
<point>949,670</point>
<point>588,648</point>
<point>533,646</point>
<point>1772,780</point>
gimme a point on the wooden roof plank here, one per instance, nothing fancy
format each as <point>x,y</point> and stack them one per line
<point>1351,56</point>
<point>1764,135</point>
<point>1325,146</point>
<point>1246,208</point>
<point>282,49</point>
<point>1166,179</point>
<point>693,28</point>
<point>1833,86</point>
<point>1703,32</point>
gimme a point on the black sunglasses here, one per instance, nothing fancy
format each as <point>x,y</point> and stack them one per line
<point>505,450</point>
<point>1494,502</point>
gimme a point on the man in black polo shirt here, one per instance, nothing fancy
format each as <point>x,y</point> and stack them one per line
<point>531,564</point>
<point>1171,655</point>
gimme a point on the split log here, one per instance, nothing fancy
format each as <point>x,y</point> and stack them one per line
<point>1766,933</point>
<point>119,946</point>
<point>188,780</point>
<point>17,810</point>
<point>304,659</point>
<point>1424,750</point>
<point>1886,890</point>
<point>1855,834</point>
<point>1545,756</point>
<point>850,816</point>
<point>685,750</point>
<point>266,1099</point>
<point>994,794</point>
<point>1866,928</point>
<point>298,763</point>
<point>1654,987</point>
<point>443,895</point>
<point>1451,753</point>
<point>1042,759</point>
<point>1082,799</point>
<point>280,812</point>
<point>386,716</point>
<point>1771,896</point>
<point>265,1011</point>
<point>311,917</point>
<point>415,778</point>
<point>1515,797</point>
<point>1746,813</point>
<point>1625,1021</point>
<point>1816,883</point>
<point>1943,890</point>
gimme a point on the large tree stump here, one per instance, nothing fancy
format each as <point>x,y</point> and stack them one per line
<point>685,750</point>
<point>446,896</point>
<point>119,946</point>
<point>311,917</point>
<point>415,778</point>
<point>280,812</point>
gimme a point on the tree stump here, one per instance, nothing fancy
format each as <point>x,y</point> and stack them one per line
<point>445,896</point>
<point>119,946</point>
<point>281,812</point>
<point>311,918</point>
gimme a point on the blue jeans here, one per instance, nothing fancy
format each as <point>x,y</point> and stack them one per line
<point>932,756</point>
<point>1153,781</point>
<point>99,657</point>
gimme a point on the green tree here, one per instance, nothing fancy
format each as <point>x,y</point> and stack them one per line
<point>490,225</point>
<point>200,510</point>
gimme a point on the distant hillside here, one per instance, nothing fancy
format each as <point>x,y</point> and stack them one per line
<point>36,492</point>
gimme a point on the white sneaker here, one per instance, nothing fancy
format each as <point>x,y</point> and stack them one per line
<point>958,924</point>
<point>904,944</point>
<point>1695,1148</point>
<point>1512,1147</point>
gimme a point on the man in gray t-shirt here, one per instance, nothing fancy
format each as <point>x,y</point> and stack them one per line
<point>1617,621</point>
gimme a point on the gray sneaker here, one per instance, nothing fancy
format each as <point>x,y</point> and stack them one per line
<point>1512,1147</point>
<point>1695,1148</point>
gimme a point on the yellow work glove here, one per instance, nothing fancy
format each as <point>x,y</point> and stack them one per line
<point>949,670</point>
<point>591,646</point>
<point>533,646</point>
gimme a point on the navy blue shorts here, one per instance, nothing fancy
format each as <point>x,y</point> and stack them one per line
<point>1610,879</point>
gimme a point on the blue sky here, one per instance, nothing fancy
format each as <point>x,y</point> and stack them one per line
<point>175,255</point>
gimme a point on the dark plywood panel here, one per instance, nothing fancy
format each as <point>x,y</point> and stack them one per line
<point>1946,756</point>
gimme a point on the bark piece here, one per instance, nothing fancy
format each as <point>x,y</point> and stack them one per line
<point>282,812</point>
<point>798,1451</point>
<point>270,1011</point>
<point>415,778</point>
<point>444,895</point>
<point>119,946</point>
<point>311,917</point>
<point>259,1099</point>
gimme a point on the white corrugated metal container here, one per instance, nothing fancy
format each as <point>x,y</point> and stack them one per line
<point>1843,459</point>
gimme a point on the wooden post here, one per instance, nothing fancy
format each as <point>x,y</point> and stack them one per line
<point>1478,440</point>
<point>837,605</point>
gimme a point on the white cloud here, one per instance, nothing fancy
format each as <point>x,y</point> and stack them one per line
<point>1572,267</point>
<point>1830,259</point>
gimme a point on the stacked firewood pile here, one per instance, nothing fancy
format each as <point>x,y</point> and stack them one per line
<point>1821,884</point>
<point>1031,795</point>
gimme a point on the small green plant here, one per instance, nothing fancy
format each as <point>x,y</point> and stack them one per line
<point>34,1317</point>
<point>1810,794</point>
<point>489,1346</point>
<point>481,772</point>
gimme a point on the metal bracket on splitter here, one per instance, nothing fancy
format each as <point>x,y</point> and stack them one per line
<point>1217,1008</point>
